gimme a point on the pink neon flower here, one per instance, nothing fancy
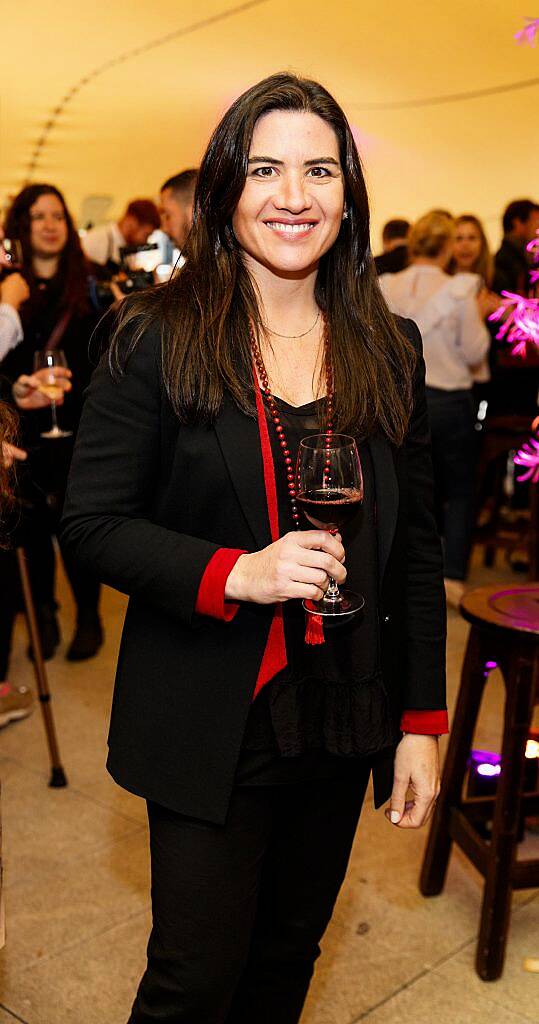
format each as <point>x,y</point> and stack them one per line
<point>520,321</point>
<point>528,456</point>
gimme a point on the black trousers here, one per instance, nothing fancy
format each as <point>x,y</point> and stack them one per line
<point>34,529</point>
<point>239,909</point>
<point>454,458</point>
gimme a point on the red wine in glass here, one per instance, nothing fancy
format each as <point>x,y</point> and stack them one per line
<point>329,508</point>
<point>330,493</point>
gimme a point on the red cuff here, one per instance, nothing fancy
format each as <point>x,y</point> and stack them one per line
<point>425,723</point>
<point>211,592</point>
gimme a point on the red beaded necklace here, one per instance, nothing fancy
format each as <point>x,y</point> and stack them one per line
<point>274,412</point>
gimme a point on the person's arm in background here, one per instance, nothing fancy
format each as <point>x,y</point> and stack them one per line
<point>474,338</point>
<point>13,292</point>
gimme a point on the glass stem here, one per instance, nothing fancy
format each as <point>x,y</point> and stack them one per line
<point>332,593</point>
<point>53,414</point>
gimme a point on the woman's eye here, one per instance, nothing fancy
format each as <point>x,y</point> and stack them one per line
<point>263,172</point>
<point>319,172</point>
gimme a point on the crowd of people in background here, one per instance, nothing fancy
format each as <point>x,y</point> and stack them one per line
<point>438,271</point>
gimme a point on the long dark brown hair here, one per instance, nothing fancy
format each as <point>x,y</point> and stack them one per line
<point>204,311</point>
<point>73,266</point>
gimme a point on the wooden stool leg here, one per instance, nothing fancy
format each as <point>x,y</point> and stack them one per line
<point>58,777</point>
<point>496,908</point>
<point>438,846</point>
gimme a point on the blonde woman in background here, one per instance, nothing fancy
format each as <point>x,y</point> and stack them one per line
<point>471,253</point>
<point>450,313</point>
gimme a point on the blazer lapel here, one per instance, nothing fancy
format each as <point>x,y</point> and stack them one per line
<point>239,440</point>
<point>387,497</point>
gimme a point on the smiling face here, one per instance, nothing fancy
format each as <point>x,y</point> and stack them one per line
<point>48,227</point>
<point>291,208</point>
<point>467,246</point>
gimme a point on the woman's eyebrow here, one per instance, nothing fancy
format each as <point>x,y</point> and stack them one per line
<point>307,163</point>
<point>322,160</point>
<point>265,160</point>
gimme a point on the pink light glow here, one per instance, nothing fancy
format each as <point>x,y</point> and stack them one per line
<point>527,35</point>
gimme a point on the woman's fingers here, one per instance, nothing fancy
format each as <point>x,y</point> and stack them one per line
<point>320,540</point>
<point>11,454</point>
<point>398,799</point>
<point>304,574</point>
<point>325,562</point>
<point>417,812</point>
<point>305,592</point>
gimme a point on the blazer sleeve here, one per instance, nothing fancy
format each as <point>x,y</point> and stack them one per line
<point>425,596</point>
<point>107,524</point>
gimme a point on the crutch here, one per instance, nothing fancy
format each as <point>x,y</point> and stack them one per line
<point>58,777</point>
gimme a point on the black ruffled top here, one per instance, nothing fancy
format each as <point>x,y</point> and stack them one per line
<point>328,707</point>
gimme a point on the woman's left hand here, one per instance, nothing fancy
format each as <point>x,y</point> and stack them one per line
<point>417,768</point>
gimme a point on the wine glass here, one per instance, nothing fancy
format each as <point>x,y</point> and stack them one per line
<point>11,252</point>
<point>329,493</point>
<point>47,360</point>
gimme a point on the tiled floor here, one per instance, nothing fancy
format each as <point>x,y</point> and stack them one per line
<point>77,883</point>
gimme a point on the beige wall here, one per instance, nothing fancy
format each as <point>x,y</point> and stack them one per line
<point>131,126</point>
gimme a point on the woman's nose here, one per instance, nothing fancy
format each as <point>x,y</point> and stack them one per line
<point>293,194</point>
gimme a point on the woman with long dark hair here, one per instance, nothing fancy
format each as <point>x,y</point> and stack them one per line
<point>57,315</point>
<point>251,744</point>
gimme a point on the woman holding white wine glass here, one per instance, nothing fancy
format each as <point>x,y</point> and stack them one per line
<point>57,321</point>
<point>250,726</point>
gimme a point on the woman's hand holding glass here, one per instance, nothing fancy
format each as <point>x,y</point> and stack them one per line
<point>298,566</point>
<point>28,389</point>
<point>48,361</point>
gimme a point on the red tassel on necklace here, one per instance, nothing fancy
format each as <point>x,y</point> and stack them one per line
<point>314,629</point>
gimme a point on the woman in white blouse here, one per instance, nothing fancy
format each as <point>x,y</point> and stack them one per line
<point>450,315</point>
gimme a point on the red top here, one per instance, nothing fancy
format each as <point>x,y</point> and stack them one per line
<point>211,601</point>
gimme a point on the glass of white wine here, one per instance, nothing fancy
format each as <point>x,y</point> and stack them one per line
<point>49,386</point>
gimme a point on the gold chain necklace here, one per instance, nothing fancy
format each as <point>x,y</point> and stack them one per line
<point>290,337</point>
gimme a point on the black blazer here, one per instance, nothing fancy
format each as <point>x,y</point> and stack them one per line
<point>149,501</point>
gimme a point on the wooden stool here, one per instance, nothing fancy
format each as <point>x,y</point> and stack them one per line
<point>505,632</point>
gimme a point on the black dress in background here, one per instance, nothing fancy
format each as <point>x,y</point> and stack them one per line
<point>42,478</point>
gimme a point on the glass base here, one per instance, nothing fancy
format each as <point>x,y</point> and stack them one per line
<point>348,604</point>
<point>56,432</point>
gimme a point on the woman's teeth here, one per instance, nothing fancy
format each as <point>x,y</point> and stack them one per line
<point>289,229</point>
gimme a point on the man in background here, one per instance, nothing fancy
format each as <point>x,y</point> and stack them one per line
<point>511,263</point>
<point>176,206</point>
<point>102,244</point>
<point>395,247</point>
